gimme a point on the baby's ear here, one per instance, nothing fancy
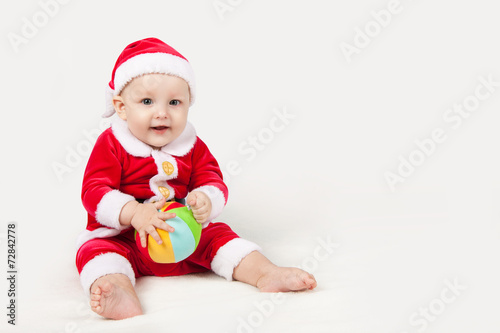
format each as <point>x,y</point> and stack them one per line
<point>119,107</point>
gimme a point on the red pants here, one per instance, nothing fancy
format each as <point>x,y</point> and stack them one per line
<point>102,253</point>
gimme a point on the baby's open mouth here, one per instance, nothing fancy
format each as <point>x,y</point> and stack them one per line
<point>159,128</point>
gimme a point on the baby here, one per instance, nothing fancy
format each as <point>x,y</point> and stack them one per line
<point>150,155</point>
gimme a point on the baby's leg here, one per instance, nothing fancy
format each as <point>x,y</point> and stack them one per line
<point>256,270</point>
<point>107,275</point>
<point>113,296</point>
<point>239,259</point>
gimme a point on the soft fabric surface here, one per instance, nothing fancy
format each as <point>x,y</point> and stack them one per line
<point>374,274</point>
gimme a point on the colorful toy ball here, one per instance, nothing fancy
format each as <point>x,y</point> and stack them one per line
<point>178,245</point>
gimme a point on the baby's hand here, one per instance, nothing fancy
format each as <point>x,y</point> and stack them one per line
<point>201,205</point>
<point>145,218</point>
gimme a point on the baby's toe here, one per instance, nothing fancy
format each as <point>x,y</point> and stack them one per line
<point>97,309</point>
<point>96,291</point>
<point>311,282</point>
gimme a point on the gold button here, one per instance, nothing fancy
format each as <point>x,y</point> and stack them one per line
<point>164,191</point>
<point>168,168</point>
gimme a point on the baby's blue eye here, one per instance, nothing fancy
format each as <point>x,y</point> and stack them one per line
<point>147,101</point>
<point>175,102</point>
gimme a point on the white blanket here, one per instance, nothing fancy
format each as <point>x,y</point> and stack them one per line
<point>393,274</point>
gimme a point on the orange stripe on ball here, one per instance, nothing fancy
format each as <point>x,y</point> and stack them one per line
<point>161,253</point>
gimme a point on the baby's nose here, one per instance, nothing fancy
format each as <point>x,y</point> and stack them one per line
<point>162,112</point>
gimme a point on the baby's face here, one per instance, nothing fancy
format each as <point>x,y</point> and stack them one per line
<point>155,107</point>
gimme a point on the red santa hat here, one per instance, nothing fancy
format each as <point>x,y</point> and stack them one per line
<point>147,56</point>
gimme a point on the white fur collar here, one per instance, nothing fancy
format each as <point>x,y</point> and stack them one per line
<point>179,147</point>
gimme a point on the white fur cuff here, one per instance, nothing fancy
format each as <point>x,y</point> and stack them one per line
<point>104,264</point>
<point>109,209</point>
<point>229,256</point>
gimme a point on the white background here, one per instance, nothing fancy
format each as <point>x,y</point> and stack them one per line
<point>322,176</point>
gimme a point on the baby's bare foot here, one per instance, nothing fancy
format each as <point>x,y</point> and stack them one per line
<point>282,279</point>
<point>113,296</point>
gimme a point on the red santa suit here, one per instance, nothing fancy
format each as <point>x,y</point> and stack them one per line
<point>122,168</point>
